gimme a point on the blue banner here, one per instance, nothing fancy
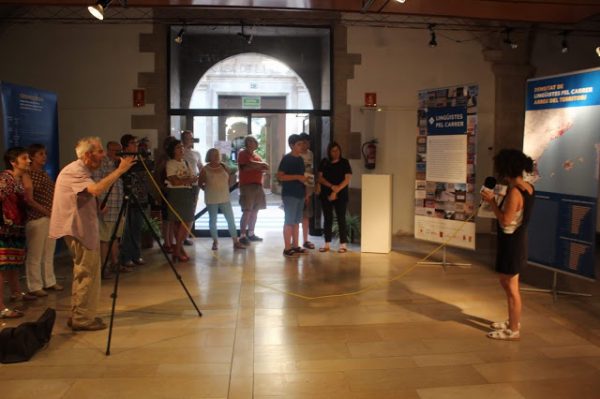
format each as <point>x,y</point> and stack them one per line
<point>446,120</point>
<point>573,90</point>
<point>562,232</point>
<point>30,116</point>
<point>562,137</point>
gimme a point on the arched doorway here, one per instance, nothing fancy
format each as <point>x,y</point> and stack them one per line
<point>253,82</point>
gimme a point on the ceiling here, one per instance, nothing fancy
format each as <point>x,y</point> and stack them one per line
<point>535,11</point>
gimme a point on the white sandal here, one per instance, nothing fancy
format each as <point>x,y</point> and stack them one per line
<point>501,325</point>
<point>505,335</point>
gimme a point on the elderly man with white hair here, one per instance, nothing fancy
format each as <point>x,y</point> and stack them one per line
<point>75,217</point>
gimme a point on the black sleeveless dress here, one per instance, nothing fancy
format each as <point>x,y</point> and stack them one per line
<point>511,251</point>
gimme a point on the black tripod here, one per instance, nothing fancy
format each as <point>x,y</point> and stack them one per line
<point>128,198</point>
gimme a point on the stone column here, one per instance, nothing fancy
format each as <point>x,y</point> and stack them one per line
<point>511,69</point>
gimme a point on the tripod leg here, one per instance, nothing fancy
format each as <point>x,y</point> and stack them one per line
<point>113,238</point>
<point>122,211</point>
<point>165,254</point>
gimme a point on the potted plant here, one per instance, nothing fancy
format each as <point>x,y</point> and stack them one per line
<point>352,224</point>
<point>147,237</point>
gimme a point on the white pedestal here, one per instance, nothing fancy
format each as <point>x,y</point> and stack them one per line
<point>376,214</point>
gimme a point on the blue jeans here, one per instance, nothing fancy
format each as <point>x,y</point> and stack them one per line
<point>132,236</point>
<point>213,211</point>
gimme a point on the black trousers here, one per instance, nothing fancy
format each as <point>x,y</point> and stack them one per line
<point>340,212</point>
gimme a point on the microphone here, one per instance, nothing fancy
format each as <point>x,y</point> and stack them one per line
<point>488,185</point>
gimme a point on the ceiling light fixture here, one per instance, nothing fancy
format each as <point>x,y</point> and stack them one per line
<point>97,10</point>
<point>247,37</point>
<point>179,38</point>
<point>507,39</point>
<point>564,43</point>
<point>401,1</point>
<point>432,41</point>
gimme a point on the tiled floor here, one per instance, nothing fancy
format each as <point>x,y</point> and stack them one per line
<point>419,336</point>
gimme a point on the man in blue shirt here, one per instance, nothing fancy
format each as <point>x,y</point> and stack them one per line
<point>291,176</point>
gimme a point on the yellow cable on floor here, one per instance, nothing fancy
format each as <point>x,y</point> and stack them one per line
<point>372,286</point>
<point>313,298</point>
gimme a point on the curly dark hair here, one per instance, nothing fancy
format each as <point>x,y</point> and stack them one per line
<point>12,154</point>
<point>512,163</point>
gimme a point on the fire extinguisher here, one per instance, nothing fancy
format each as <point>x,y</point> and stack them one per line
<point>369,152</point>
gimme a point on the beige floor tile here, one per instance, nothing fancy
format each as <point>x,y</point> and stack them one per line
<point>422,336</point>
<point>534,370</point>
<point>489,391</point>
<point>576,351</point>
<point>36,388</point>
<point>417,377</point>
<point>453,359</point>
<point>570,387</point>
<point>195,387</point>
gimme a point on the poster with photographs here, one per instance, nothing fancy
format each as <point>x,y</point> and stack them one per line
<point>445,173</point>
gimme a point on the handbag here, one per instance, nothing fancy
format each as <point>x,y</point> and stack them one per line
<point>19,344</point>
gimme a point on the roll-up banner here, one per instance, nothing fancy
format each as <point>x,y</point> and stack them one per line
<point>446,154</point>
<point>28,116</point>
<point>562,135</point>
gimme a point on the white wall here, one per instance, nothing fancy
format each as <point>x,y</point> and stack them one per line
<point>92,67</point>
<point>396,64</point>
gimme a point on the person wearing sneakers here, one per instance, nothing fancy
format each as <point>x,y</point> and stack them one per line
<point>75,217</point>
<point>308,158</point>
<point>291,175</point>
<point>214,180</point>
<point>513,215</point>
<point>12,228</point>
<point>334,176</point>
<point>39,190</point>
<point>252,195</point>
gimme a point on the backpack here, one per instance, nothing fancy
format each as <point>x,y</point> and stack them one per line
<point>19,344</point>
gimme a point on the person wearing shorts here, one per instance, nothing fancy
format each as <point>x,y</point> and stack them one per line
<point>291,175</point>
<point>252,195</point>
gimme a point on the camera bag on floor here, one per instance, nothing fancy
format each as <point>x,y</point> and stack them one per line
<point>19,344</point>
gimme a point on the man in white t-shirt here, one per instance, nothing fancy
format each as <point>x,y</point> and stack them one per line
<point>194,160</point>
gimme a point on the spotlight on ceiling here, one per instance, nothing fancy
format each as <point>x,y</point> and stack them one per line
<point>564,43</point>
<point>598,51</point>
<point>401,1</point>
<point>507,39</point>
<point>97,10</point>
<point>179,38</point>
<point>247,37</point>
<point>432,41</point>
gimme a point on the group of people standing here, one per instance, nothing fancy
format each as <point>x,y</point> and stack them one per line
<point>26,197</point>
<point>298,185</point>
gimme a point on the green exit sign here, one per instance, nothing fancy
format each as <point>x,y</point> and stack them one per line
<point>251,102</point>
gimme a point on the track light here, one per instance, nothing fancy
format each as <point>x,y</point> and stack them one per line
<point>248,38</point>
<point>179,38</point>
<point>97,10</point>
<point>508,41</point>
<point>432,41</point>
<point>564,44</point>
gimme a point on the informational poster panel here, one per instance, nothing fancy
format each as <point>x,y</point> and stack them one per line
<point>446,154</point>
<point>562,135</point>
<point>29,116</point>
